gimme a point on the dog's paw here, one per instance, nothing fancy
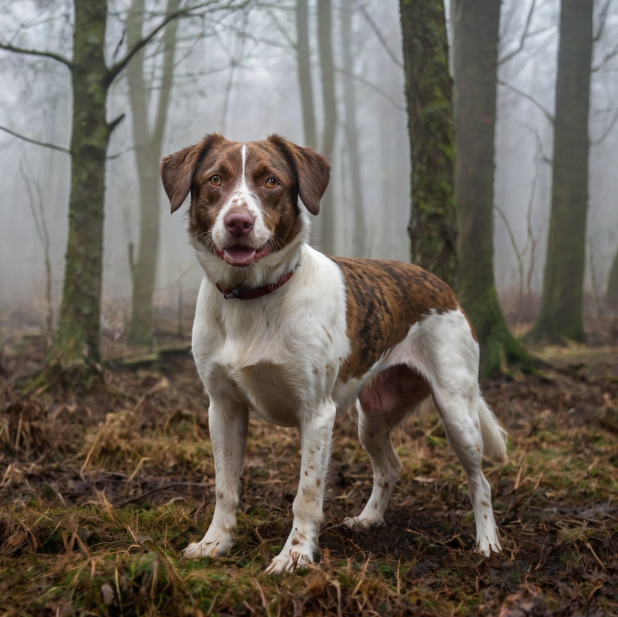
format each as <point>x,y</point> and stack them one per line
<point>489,542</point>
<point>212,545</point>
<point>362,522</point>
<point>297,553</point>
<point>289,562</point>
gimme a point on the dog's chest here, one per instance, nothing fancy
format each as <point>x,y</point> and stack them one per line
<point>278,356</point>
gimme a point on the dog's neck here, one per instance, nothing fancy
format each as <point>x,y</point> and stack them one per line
<point>267,270</point>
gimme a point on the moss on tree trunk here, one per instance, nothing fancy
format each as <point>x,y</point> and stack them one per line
<point>562,298</point>
<point>432,228</point>
<point>476,34</point>
<point>77,341</point>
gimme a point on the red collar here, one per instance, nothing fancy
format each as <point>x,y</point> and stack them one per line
<point>251,294</point>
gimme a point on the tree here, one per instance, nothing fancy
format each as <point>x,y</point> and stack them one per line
<point>612,283</point>
<point>327,66</point>
<point>351,129</point>
<point>305,81</point>
<point>76,346</point>
<point>428,89</point>
<point>562,296</point>
<point>148,143</point>
<point>476,33</point>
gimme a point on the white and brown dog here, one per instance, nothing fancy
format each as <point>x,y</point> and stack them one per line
<point>296,336</point>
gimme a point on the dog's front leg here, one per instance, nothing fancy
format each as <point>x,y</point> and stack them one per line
<point>316,432</point>
<point>228,423</point>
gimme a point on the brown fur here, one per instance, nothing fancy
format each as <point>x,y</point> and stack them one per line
<point>385,298</point>
<point>299,171</point>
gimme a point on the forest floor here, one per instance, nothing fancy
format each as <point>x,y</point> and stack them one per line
<point>99,494</point>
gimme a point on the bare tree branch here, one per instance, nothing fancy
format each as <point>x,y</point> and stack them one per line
<point>37,52</point>
<point>522,40</point>
<point>602,20</point>
<point>606,59</point>
<point>380,36</point>
<point>282,29</point>
<point>35,141</point>
<point>606,132</point>
<point>187,11</point>
<point>549,116</point>
<point>366,82</point>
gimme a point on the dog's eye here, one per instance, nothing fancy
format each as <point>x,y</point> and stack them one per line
<point>271,183</point>
<point>215,180</point>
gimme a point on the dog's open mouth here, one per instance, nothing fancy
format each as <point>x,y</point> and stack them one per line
<point>242,256</point>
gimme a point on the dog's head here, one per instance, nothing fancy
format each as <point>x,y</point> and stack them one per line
<point>244,196</point>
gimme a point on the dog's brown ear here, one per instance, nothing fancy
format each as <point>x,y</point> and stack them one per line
<point>313,171</point>
<point>177,170</point>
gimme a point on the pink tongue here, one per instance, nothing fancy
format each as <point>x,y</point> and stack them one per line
<point>239,256</point>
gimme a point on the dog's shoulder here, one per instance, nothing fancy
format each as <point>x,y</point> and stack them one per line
<point>384,299</point>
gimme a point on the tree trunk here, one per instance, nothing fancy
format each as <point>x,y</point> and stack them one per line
<point>433,228</point>
<point>476,34</point>
<point>148,144</point>
<point>303,55</point>
<point>562,297</point>
<point>78,338</point>
<point>325,37</point>
<point>351,129</point>
<point>612,285</point>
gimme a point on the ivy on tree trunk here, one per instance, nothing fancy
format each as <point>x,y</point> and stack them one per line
<point>476,34</point>
<point>428,89</point>
<point>562,298</point>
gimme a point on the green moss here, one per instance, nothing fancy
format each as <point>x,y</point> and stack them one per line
<point>432,227</point>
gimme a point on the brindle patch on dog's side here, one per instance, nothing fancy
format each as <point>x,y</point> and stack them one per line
<point>385,298</point>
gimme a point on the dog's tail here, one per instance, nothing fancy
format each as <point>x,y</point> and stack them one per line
<point>494,436</point>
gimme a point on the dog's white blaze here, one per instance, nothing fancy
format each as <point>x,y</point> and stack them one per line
<point>242,196</point>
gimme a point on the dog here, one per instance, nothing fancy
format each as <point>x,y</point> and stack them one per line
<point>295,335</point>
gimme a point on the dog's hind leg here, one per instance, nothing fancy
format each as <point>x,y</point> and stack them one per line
<point>383,403</point>
<point>449,357</point>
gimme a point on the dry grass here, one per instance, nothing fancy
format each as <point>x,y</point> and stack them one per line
<point>142,440</point>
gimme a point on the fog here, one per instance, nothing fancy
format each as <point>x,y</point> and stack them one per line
<point>236,73</point>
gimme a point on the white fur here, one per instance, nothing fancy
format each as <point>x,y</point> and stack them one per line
<point>242,196</point>
<point>280,355</point>
<point>441,348</point>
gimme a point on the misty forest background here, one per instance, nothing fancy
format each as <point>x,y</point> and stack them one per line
<point>477,138</point>
<point>533,122</point>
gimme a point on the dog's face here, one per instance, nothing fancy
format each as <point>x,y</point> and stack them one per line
<point>244,196</point>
